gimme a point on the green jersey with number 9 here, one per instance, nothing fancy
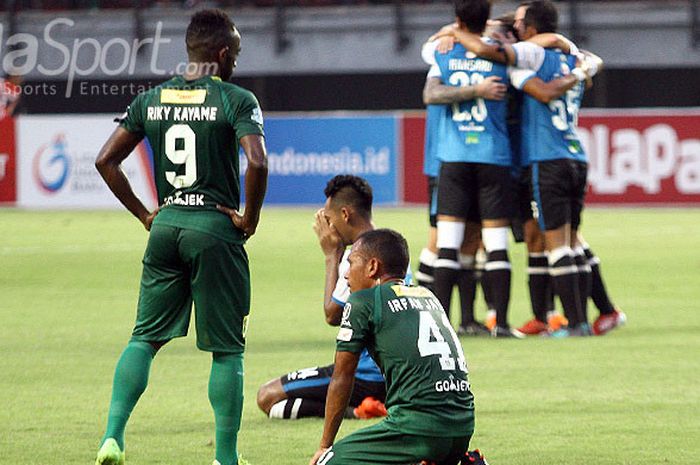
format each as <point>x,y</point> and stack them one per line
<point>408,334</point>
<point>194,128</point>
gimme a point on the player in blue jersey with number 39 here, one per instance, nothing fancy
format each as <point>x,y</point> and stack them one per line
<point>551,146</point>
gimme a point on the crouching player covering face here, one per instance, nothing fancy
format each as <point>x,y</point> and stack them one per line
<point>430,407</point>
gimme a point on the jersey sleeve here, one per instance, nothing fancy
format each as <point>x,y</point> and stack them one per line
<point>428,52</point>
<point>355,330</point>
<point>132,120</point>
<point>434,72</point>
<point>519,76</point>
<point>341,293</point>
<point>246,116</point>
<point>528,55</point>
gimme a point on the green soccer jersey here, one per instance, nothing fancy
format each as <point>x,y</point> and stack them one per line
<point>193,128</point>
<point>407,333</point>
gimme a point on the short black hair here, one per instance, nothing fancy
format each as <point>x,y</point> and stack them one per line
<point>208,32</point>
<point>507,21</point>
<point>348,189</point>
<point>542,15</point>
<point>473,14</point>
<point>389,247</point>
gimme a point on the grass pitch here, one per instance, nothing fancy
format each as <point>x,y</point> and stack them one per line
<point>68,289</point>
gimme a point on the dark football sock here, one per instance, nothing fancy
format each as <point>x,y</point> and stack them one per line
<point>296,407</point>
<point>446,275</point>
<point>498,277</point>
<point>564,274</point>
<point>584,282</point>
<point>467,289</point>
<point>539,285</point>
<point>426,268</point>
<point>599,293</point>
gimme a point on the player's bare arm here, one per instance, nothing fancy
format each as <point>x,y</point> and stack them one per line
<point>120,144</point>
<point>332,246</point>
<point>255,185</point>
<point>436,93</point>
<point>545,92</point>
<point>551,40</point>
<point>339,392</point>
<point>501,53</point>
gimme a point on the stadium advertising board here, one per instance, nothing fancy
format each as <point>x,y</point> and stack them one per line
<point>56,163</point>
<point>642,156</point>
<point>649,157</point>
<point>304,152</point>
<point>8,184</point>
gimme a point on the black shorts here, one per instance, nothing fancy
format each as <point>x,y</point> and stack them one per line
<point>523,196</point>
<point>559,188</point>
<point>312,383</point>
<point>432,201</point>
<point>475,191</point>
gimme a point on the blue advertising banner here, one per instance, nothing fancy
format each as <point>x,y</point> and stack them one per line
<point>305,152</point>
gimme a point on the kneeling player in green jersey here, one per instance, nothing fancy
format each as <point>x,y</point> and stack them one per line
<point>195,124</point>
<point>405,329</point>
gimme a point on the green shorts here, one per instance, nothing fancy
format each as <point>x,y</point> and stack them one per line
<point>181,266</point>
<point>378,444</point>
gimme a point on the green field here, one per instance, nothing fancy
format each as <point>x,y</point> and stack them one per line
<point>69,281</point>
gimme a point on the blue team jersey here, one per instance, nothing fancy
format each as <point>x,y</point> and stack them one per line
<point>475,130</point>
<point>549,130</point>
<point>434,116</point>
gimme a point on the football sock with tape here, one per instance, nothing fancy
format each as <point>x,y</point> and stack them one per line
<point>538,284</point>
<point>426,268</point>
<point>466,283</point>
<point>564,273</point>
<point>226,398</point>
<point>130,381</point>
<point>498,276</point>
<point>296,407</point>
<point>446,275</point>
<point>584,280</point>
<point>599,294</point>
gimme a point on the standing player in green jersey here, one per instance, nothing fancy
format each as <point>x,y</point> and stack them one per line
<point>405,329</point>
<point>194,123</point>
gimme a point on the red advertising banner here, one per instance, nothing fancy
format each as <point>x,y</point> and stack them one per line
<point>8,172</point>
<point>642,156</point>
<point>636,156</point>
<point>415,184</point>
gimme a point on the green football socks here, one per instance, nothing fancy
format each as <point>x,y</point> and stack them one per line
<point>226,398</point>
<point>130,381</point>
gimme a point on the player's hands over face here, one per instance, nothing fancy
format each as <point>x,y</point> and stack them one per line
<point>245,224</point>
<point>318,455</point>
<point>328,237</point>
<point>148,220</point>
<point>491,88</point>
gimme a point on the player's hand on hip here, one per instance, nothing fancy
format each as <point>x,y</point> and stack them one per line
<point>148,220</point>
<point>328,237</point>
<point>245,224</point>
<point>491,88</point>
<point>317,455</point>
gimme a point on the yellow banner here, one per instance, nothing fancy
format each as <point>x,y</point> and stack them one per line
<point>408,291</point>
<point>192,97</point>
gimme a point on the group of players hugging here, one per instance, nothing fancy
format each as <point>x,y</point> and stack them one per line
<point>502,154</point>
